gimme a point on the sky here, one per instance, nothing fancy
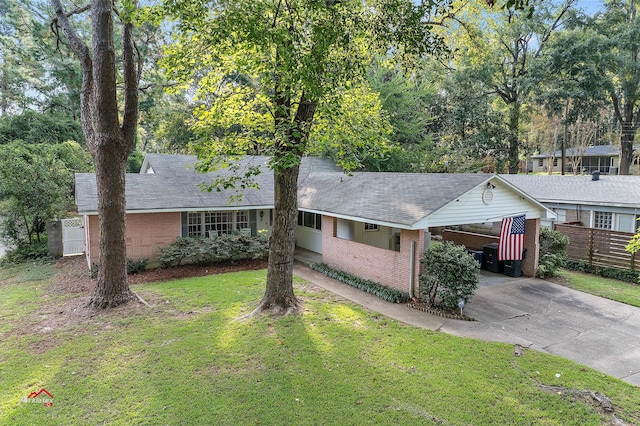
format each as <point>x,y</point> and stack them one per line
<point>590,6</point>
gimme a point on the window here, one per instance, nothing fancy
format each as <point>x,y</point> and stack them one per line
<point>555,162</point>
<point>194,222</point>
<point>310,220</point>
<point>602,220</point>
<point>540,162</point>
<point>371,227</point>
<point>562,215</point>
<point>242,220</point>
<point>627,223</point>
<point>216,223</point>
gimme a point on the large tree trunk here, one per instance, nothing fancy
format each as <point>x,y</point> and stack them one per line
<point>278,297</point>
<point>626,155</point>
<point>110,159</point>
<point>627,137</point>
<point>513,142</point>
<point>112,288</point>
<point>108,142</point>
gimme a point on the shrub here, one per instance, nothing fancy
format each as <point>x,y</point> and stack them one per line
<point>386,293</point>
<point>450,274</point>
<point>206,251</point>
<point>135,266</point>
<point>621,274</point>
<point>26,252</point>
<point>553,252</point>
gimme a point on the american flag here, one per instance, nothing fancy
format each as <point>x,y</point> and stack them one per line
<point>511,238</point>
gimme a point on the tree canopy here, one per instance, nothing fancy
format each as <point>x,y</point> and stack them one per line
<point>265,71</point>
<point>36,184</point>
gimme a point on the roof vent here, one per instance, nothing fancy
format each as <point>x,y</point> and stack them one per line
<point>595,175</point>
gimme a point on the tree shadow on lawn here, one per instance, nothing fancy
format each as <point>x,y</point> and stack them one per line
<point>64,304</point>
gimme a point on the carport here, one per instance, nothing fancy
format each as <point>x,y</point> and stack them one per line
<point>377,225</point>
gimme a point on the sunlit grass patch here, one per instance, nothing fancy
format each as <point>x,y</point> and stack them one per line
<point>193,359</point>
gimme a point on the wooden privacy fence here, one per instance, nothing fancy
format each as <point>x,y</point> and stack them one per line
<point>600,247</point>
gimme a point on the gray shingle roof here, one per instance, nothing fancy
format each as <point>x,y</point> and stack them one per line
<point>590,151</point>
<point>172,164</point>
<point>175,185</point>
<point>622,191</point>
<point>393,198</point>
<point>400,198</point>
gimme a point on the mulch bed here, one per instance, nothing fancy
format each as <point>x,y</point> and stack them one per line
<point>187,271</point>
<point>74,272</point>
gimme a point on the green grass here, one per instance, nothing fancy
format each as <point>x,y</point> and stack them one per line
<point>604,287</point>
<point>189,360</point>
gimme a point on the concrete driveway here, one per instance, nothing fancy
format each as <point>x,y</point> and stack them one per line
<point>590,330</point>
<point>599,333</point>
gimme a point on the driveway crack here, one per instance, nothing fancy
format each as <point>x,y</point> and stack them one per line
<point>525,315</point>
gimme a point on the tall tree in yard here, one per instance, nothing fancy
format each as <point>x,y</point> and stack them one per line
<point>596,62</point>
<point>109,141</point>
<point>617,55</point>
<point>290,56</point>
<point>507,43</point>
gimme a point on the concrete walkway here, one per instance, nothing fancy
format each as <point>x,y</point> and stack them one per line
<point>590,330</point>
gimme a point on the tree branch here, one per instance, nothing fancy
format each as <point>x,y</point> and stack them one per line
<point>132,70</point>
<point>553,27</point>
<point>80,49</point>
<point>616,107</point>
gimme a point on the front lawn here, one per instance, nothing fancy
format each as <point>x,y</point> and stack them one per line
<point>620,291</point>
<point>190,360</point>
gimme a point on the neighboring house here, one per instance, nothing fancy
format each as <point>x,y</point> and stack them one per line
<point>374,225</point>
<point>603,158</point>
<point>611,202</point>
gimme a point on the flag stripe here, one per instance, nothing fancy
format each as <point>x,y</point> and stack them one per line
<point>511,244</point>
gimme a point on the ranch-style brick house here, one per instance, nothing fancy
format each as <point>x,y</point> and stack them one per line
<point>374,225</point>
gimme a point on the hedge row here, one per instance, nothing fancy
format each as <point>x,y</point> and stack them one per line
<point>628,275</point>
<point>206,251</point>
<point>386,293</point>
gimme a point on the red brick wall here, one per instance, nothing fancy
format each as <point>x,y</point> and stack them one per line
<point>146,232</point>
<point>386,267</point>
<point>477,241</point>
<point>470,240</point>
<point>532,245</point>
<point>91,242</point>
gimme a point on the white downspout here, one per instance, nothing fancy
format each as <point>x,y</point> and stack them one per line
<point>412,268</point>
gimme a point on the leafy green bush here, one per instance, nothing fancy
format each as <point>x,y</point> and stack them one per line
<point>553,252</point>
<point>621,274</point>
<point>205,251</point>
<point>386,293</point>
<point>26,252</point>
<point>450,274</point>
<point>135,266</point>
